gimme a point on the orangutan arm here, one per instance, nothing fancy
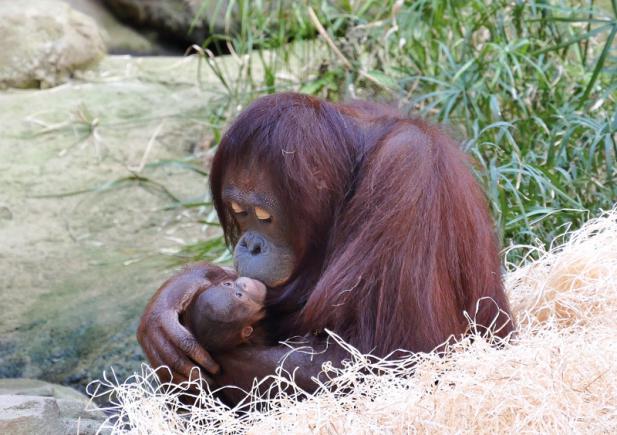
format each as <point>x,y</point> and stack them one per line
<point>164,339</point>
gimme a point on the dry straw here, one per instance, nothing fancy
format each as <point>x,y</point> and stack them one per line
<point>558,375</point>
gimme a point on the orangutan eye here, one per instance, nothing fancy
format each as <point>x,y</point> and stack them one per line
<point>263,215</point>
<point>237,208</point>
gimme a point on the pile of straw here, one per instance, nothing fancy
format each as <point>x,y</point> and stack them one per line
<point>558,375</point>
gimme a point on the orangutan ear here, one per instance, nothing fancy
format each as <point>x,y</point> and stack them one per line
<point>246,332</point>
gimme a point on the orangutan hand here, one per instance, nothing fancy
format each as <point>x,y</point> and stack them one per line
<point>164,339</point>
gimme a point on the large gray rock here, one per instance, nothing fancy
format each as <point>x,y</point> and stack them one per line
<point>36,387</point>
<point>43,42</point>
<point>119,37</point>
<point>186,20</point>
<point>30,406</point>
<point>29,415</point>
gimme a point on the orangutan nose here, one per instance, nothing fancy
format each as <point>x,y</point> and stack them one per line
<point>254,243</point>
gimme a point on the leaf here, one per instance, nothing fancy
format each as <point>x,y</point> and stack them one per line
<point>383,79</point>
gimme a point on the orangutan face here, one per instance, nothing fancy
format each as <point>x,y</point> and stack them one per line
<point>264,250</point>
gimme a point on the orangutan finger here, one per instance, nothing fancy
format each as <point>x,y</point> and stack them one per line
<point>167,373</point>
<point>177,362</point>
<point>178,379</point>
<point>169,356</point>
<point>151,354</point>
<point>181,338</point>
<point>202,377</point>
<point>203,358</point>
<point>158,365</point>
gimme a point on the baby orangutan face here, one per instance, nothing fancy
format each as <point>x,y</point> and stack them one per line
<point>223,316</point>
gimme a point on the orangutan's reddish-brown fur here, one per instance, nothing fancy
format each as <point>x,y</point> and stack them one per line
<point>387,237</point>
<point>393,232</point>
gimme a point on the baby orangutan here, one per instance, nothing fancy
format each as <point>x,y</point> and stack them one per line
<point>224,313</point>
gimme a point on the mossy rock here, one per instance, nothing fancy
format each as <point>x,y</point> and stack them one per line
<point>43,43</point>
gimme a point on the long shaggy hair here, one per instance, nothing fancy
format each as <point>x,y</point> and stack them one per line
<point>396,245</point>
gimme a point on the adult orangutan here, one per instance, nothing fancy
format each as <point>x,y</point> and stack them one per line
<point>358,220</point>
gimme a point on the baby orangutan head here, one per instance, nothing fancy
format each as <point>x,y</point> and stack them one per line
<point>223,316</point>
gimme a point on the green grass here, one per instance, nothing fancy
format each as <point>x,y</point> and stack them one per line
<point>530,88</point>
